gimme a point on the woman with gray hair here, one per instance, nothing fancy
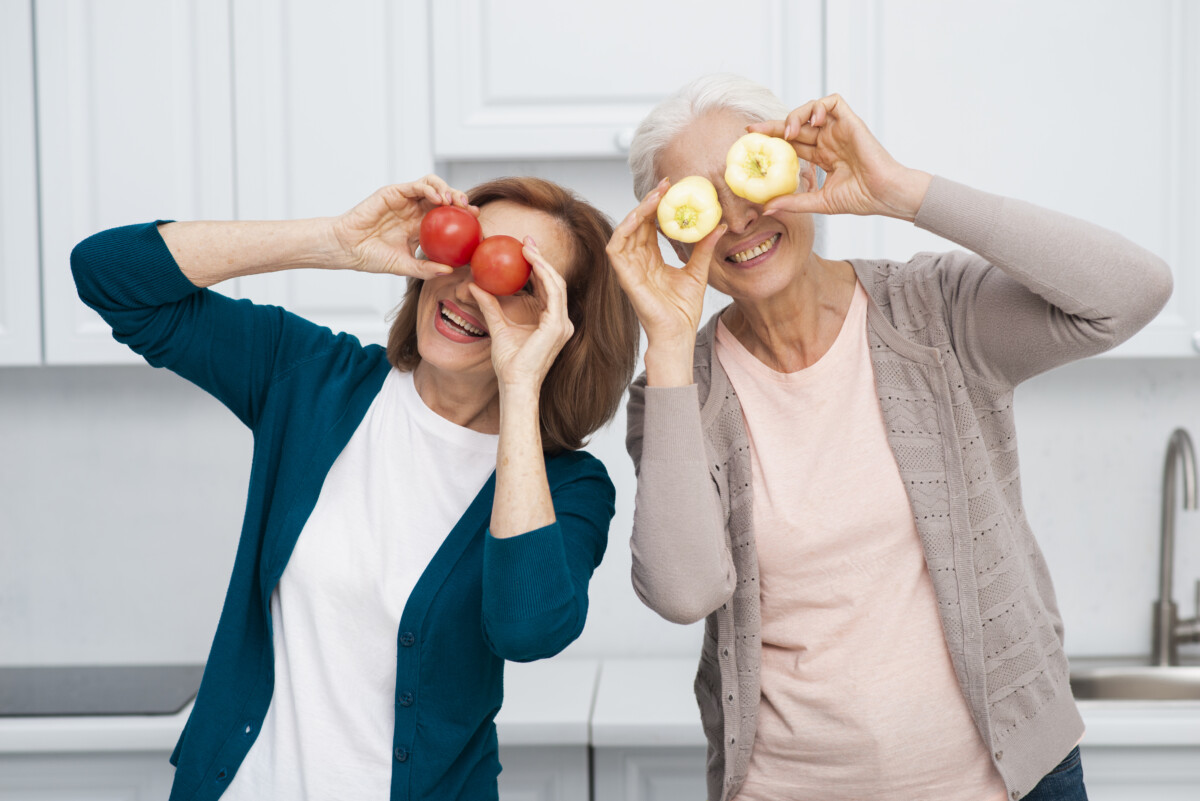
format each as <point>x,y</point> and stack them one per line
<point>827,470</point>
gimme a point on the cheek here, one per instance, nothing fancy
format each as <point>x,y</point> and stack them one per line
<point>520,308</point>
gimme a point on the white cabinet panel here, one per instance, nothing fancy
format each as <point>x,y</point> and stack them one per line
<point>331,102</point>
<point>1090,110</point>
<point>650,774</point>
<point>20,294</point>
<point>85,777</point>
<point>521,79</point>
<point>134,125</point>
<point>544,773</point>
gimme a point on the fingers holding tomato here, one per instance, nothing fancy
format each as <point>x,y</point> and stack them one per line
<point>529,330</point>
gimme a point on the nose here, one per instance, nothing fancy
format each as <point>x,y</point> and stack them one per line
<point>461,278</point>
<point>737,212</point>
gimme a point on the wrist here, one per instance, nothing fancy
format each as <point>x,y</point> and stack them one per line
<point>669,366</point>
<point>906,194</point>
<point>519,397</point>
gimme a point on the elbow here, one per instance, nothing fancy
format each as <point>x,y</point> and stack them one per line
<point>1160,283</point>
<point>82,261</point>
<point>1147,295</point>
<point>530,640</point>
<point>684,602</point>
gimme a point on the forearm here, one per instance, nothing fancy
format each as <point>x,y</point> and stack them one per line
<point>211,252</point>
<point>682,567</point>
<point>1080,268</point>
<point>522,501</point>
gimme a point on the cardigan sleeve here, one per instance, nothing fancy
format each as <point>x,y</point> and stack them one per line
<point>231,348</point>
<point>682,565</point>
<point>1049,288</point>
<point>535,585</point>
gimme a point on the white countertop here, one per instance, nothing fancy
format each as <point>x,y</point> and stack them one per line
<point>545,703</point>
<point>649,702</point>
<point>616,703</point>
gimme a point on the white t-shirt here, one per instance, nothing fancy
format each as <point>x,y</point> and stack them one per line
<point>390,499</point>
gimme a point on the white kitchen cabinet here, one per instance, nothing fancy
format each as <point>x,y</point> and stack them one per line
<point>1093,110</point>
<point>134,124</point>
<point>524,79</point>
<point>648,743</point>
<point>331,103</point>
<point>86,777</point>
<point>20,294</point>
<point>542,729</point>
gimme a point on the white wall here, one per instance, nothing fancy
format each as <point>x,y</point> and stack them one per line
<point>121,490</point>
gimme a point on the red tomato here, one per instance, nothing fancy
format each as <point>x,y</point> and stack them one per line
<point>449,235</point>
<point>498,265</point>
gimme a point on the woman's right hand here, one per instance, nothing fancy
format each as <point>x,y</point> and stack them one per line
<point>669,301</point>
<point>381,234</point>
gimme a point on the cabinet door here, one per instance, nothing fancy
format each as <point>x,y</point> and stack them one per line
<point>332,103</point>
<point>134,125</point>
<point>1089,109</point>
<point>524,79</point>
<point>20,295</point>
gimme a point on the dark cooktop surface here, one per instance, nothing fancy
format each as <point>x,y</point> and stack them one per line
<point>103,690</point>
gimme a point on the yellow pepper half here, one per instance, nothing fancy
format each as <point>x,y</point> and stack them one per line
<point>759,167</point>
<point>690,209</point>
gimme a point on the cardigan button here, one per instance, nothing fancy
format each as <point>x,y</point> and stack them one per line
<point>407,639</point>
<point>406,699</point>
<point>401,755</point>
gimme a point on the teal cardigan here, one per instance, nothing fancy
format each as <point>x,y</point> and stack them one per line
<point>302,391</point>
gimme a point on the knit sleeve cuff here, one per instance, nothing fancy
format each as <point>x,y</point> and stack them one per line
<point>959,213</point>
<point>527,576</point>
<point>128,266</point>
<point>673,431</point>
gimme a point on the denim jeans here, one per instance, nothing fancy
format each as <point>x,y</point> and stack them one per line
<point>1064,783</point>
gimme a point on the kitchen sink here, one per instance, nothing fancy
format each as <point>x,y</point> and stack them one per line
<point>1136,682</point>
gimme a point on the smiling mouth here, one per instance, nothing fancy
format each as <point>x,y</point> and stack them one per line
<point>757,250</point>
<point>457,323</point>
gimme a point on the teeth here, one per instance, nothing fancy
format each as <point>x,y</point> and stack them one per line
<point>746,255</point>
<point>463,324</point>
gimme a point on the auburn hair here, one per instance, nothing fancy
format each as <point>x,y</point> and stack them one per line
<point>583,389</point>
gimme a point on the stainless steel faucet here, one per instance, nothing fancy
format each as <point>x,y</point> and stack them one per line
<point>1169,630</point>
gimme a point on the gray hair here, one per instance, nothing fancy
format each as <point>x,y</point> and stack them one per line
<point>710,93</point>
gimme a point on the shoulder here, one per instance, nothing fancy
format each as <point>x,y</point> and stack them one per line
<point>580,485</point>
<point>922,284</point>
<point>567,466</point>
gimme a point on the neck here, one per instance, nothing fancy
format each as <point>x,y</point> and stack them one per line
<point>463,400</point>
<point>794,328</point>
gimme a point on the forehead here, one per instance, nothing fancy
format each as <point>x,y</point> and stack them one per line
<point>515,220</point>
<point>700,148</point>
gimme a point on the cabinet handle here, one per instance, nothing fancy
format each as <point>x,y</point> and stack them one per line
<point>623,138</point>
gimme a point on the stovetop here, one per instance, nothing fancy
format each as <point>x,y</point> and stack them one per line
<point>97,690</point>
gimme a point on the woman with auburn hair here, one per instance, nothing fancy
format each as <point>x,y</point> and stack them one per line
<point>416,515</point>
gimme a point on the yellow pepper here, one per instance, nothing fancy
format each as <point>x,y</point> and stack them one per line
<point>759,167</point>
<point>689,211</point>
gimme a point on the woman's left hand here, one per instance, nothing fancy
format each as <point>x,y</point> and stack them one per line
<point>522,353</point>
<point>861,177</point>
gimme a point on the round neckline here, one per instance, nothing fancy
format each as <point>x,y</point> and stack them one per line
<point>406,389</point>
<point>855,311</point>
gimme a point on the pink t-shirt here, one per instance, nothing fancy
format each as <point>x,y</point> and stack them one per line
<point>859,697</point>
